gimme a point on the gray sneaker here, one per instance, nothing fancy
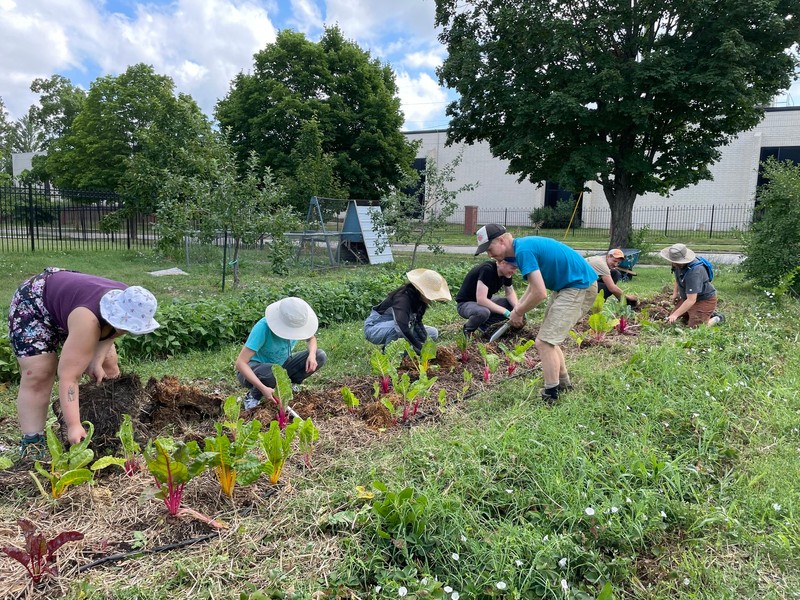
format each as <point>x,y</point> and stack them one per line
<point>250,401</point>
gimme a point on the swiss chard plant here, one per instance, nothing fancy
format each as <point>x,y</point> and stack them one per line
<point>67,467</point>
<point>421,360</point>
<point>234,460</point>
<point>384,364</point>
<point>277,446</point>
<point>516,356</point>
<point>282,394</point>
<point>599,321</point>
<point>621,311</point>
<point>462,343</point>
<point>173,464</point>
<point>577,337</point>
<point>38,557</point>
<point>350,400</point>
<point>490,362</point>
<point>411,394</point>
<point>307,436</point>
<point>130,449</point>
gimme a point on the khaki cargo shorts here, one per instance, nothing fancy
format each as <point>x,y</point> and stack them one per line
<point>564,309</point>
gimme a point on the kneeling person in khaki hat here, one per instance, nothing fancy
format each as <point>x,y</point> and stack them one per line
<point>694,295</point>
<point>401,312</point>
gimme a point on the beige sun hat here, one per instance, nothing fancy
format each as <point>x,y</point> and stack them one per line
<point>678,254</point>
<point>292,319</point>
<point>430,284</point>
<point>130,310</point>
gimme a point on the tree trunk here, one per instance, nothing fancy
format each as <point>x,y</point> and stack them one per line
<point>620,201</point>
<point>236,263</point>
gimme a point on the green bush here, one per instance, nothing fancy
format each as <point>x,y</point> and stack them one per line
<point>555,218</point>
<point>773,245</point>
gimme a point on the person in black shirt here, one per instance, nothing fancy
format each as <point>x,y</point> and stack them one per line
<point>476,299</point>
<point>400,314</point>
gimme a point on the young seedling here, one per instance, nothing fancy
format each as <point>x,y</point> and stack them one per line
<point>67,467</point>
<point>307,435</point>
<point>38,557</point>
<point>234,460</point>
<point>173,464</point>
<point>383,367</point>
<point>490,362</point>
<point>462,343</point>
<point>577,337</point>
<point>599,323</point>
<point>350,399</point>
<point>130,448</point>
<point>277,446</point>
<point>517,355</point>
<point>282,394</point>
<point>467,383</point>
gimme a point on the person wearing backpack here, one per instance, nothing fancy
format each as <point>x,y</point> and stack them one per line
<point>694,296</point>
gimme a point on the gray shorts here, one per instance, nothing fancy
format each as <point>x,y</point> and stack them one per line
<point>564,309</point>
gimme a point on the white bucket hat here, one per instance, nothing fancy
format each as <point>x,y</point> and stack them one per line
<point>678,254</point>
<point>292,319</point>
<point>130,310</point>
<point>430,284</point>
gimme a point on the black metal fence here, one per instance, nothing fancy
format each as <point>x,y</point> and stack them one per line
<point>715,221</point>
<point>42,218</point>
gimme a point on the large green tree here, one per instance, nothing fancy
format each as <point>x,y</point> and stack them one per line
<point>5,149</point>
<point>353,98</point>
<point>59,103</point>
<point>637,95</point>
<point>124,119</point>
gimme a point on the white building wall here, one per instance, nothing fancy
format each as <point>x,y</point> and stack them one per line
<point>731,191</point>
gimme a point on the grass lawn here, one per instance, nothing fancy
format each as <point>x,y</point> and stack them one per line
<point>670,471</point>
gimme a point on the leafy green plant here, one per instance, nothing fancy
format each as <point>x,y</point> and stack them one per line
<point>277,445</point>
<point>384,364</point>
<point>400,515</point>
<point>490,362</point>
<point>129,447</point>
<point>350,399</point>
<point>234,460</point>
<point>462,343</point>
<point>67,467</point>
<point>578,338</point>
<point>598,321</point>
<point>282,394</point>
<point>307,436</point>
<point>173,464</point>
<point>516,356</point>
<point>9,368</point>
<point>411,394</point>
<point>621,311</point>
<point>38,557</point>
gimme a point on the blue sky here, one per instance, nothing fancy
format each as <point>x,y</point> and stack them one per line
<point>203,44</point>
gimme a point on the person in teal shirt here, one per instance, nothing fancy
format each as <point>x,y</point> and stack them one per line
<point>546,264</point>
<point>271,342</point>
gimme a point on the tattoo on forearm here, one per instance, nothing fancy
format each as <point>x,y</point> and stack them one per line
<point>71,393</point>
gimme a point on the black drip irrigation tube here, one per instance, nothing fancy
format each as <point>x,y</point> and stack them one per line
<point>138,553</point>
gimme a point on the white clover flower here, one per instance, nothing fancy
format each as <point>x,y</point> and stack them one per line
<point>463,538</point>
<point>455,556</point>
<point>518,562</point>
<point>447,589</point>
<point>776,506</point>
<point>545,538</point>
<point>378,588</point>
<point>564,585</point>
<point>663,514</point>
<point>500,585</point>
<point>686,581</point>
<point>562,563</point>
<point>589,511</point>
<point>402,591</point>
<point>455,596</point>
<point>628,500</point>
<point>509,491</point>
<point>614,510</point>
<point>424,581</point>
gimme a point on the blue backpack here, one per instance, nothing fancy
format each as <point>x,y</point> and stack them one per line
<point>703,261</point>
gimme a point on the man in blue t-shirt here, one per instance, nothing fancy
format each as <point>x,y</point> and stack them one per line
<point>546,264</point>
<point>271,342</point>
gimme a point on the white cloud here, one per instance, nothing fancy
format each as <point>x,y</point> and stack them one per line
<point>423,101</point>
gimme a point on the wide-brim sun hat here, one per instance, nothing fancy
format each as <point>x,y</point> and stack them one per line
<point>130,310</point>
<point>430,284</point>
<point>292,319</point>
<point>678,254</point>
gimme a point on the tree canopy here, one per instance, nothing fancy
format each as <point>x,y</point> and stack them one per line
<point>634,94</point>
<point>126,119</point>
<point>352,97</point>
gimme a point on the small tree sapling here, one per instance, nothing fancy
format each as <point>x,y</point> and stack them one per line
<point>38,557</point>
